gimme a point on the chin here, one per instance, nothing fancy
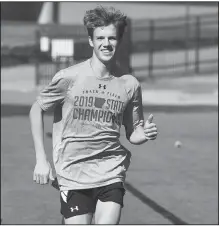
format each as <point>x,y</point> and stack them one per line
<point>106,59</point>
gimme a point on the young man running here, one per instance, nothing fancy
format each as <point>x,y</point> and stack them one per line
<point>91,101</point>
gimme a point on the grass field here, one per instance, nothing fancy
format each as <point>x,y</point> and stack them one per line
<point>177,184</point>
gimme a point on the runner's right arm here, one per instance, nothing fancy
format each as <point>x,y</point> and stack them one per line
<point>42,171</point>
<point>51,95</point>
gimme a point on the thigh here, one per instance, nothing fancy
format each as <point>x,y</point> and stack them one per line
<point>79,219</point>
<point>77,206</point>
<point>107,212</point>
<point>109,204</point>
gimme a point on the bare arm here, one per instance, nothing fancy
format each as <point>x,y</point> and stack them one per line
<point>37,129</point>
<point>43,170</point>
<point>52,94</point>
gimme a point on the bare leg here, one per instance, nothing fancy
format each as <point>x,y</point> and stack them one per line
<point>80,219</point>
<point>107,213</point>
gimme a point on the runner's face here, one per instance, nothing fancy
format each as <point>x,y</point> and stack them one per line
<point>104,42</point>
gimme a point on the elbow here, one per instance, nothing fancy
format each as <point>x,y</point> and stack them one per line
<point>130,138</point>
<point>137,137</point>
<point>137,142</point>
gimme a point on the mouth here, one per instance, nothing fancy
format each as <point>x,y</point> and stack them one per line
<point>107,51</point>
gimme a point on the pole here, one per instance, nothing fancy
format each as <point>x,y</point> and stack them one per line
<point>151,48</point>
<point>197,44</point>
<point>56,12</point>
<point>187,37</point>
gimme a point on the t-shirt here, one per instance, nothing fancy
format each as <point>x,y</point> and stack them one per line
<point>88,114</point>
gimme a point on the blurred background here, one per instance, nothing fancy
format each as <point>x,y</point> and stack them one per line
<point>163,38</point>
<point>172,49</point>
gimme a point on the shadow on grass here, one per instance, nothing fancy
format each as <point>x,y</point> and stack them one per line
<point>10,110</point>
<point>155,206</point>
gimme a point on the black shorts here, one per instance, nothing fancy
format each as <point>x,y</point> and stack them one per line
<point>77,202</point>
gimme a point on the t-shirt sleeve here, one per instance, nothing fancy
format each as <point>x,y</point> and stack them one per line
<point>54,93</point>
<point>133,114</point>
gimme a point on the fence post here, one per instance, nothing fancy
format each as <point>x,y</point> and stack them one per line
<point>187,36</point>
<point>151,48</point>
<point>56,8</point>
<point>197,44</point>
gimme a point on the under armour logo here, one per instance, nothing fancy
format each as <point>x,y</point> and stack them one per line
<point>102,86</point>
<point>72,209</point>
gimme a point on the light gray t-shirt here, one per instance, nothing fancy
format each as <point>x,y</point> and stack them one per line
<point>88,114</point>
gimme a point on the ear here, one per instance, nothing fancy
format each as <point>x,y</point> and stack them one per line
<point>90,42</point>
<point>119,41</point>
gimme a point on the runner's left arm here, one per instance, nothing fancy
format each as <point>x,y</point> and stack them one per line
<point>136,131</point>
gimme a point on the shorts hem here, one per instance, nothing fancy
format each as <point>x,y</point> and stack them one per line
<point>91,186</point>
<point>67,217</point>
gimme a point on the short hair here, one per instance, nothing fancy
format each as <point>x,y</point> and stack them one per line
<point>104,16</point>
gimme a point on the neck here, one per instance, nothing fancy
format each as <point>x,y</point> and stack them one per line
<point>101,69</point>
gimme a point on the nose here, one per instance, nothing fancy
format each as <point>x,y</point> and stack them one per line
<point>106,42</point>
